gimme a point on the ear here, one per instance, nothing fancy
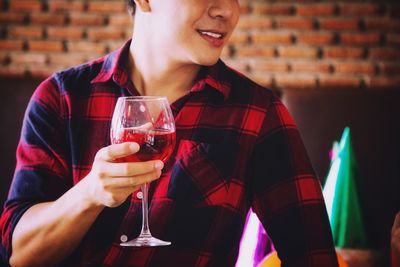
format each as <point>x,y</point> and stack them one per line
<point>143,5</point>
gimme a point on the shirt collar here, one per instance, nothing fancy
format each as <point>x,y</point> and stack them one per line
<point>215,77</point>
<point>115,67</point>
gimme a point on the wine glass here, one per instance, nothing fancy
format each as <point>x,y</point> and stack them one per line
<point>148,121</point>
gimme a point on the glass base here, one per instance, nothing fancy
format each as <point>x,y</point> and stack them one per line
<point>145,242</point>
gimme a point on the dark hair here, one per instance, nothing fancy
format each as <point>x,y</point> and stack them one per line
<point>131,6</point>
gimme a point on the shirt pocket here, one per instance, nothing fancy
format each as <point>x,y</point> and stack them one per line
<point>202,173</point>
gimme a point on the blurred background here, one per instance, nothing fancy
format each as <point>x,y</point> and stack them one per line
<point>334,63</point>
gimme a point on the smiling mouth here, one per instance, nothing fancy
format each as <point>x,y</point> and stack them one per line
<point>215,35</point>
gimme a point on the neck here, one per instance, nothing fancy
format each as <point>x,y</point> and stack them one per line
<point>153,72</point>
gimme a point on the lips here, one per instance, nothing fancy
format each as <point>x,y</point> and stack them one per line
<point>215,38</point>
<point>212,34</point>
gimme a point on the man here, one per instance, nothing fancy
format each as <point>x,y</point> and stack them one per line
<point>70,202</point>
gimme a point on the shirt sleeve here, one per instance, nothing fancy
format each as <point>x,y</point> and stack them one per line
<point>287,196</point>
<point>42,171</point>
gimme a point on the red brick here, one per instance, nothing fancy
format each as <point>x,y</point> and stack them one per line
<point>383,82</point>
<point>269,65</point>
<point>16,45</point>
<point>4,57</point>
<point>28,58</point>
<point>339,24</point>
<point>384,53</point>
<point>255,51</point>
<point>57,32</point>
<point>84,19</point>
<point>359,9</point>
<point>245,8</point>
<point>325,9</point>
<point>65,5</point>
<point>339,81</point>
<point>360,38</point>
<point>35,32</point>
<point>12,17</point>
<point>310,66</point>
<point>47,18</point>
<point>26,5</point>
<point>272,9</point>
<point>296,81</point>
<point>107,6</point>
<point>87,47</point>
<point>3,30</point>
<point>94,56</point>
<point>115,45</point>
<point>297,52</point>
<point>67,59</point>
<point>262,78</point>
<point>239,37</point>
<point>120,21</point>
<point>45,46</point>
<point>385,24</point>
<point>253,22</point>
<point>97,34</point>
<point>355,67</point>
<point>315,38</point>
<point>272,37</point>
<point>294,23</point>
<point>12,71</point>
<point>389,68</point>
<point>41,71</point>
<point>393,39</point>
<point>343,52</point>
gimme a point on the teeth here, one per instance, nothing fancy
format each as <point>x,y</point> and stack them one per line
<point>214,35</point>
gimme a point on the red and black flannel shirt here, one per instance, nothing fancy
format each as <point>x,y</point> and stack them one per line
<point>237,147</point>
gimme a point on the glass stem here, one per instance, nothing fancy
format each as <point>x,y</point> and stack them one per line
<point>145,211</point>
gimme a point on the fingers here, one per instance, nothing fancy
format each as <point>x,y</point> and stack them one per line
<point>111,182</point>
<point>135,182</point>
<point>115,151</point>
<point>130,168</point>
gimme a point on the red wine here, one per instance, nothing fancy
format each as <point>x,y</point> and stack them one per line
<point>154,144</point>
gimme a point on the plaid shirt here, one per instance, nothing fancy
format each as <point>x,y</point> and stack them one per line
<point>237,147</point>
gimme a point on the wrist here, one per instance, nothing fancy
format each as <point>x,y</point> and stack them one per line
<point>87,201</point>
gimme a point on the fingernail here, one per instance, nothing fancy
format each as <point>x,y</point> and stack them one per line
<point>134,147</point>
<point>159,165</point>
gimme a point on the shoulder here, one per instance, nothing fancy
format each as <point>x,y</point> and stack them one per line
<point>50,92</point>
<point>78,76</point>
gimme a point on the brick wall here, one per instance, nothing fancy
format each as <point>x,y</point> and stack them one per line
<point>281,44</point>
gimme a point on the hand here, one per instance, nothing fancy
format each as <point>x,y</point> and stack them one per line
<point>395,238</point>
<point>109,183</point>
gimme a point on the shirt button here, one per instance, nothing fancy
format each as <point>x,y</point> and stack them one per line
<point>124,238</point>
<point>139,195</point>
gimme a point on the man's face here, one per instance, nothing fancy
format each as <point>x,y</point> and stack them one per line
<point>193,31</point>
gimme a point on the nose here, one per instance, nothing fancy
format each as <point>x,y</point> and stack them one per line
<point>224,9</point>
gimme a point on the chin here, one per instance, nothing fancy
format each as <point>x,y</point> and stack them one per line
<point>208,63</point>
<point>208,60</point>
